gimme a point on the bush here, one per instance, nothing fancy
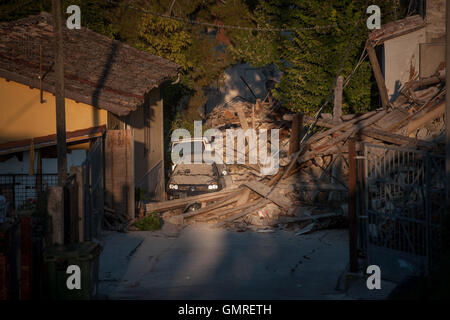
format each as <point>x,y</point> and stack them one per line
<point>149,223</point>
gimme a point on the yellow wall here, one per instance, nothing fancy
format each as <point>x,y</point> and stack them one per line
<point>22,115</point>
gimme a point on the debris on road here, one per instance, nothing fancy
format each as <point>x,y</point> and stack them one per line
<point>315,175</point>
<point>115,221</point>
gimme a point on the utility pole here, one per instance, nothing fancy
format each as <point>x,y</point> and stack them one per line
<point>59,93</point>
<point>337,108</point>
<point>336,169</point>
<point>378,75</point>
<point>352,202</point>
<point>294,140</point>
<point>447,98</point>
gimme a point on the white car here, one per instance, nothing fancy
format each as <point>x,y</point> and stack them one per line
<point>202,144</point>
<point>194,142</point>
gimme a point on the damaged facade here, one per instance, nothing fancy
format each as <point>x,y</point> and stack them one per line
<point>311,188</point>
<point>411,47</point>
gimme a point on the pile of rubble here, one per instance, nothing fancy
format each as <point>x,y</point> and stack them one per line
<point>309,190</point>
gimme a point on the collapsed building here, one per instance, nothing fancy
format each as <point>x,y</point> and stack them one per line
<point>311,186</point>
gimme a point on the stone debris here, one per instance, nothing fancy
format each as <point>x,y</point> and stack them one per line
<point>309,191</point>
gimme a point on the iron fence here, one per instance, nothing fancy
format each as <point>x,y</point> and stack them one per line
<point>20,189</point>
<point>94,190</point>
<point>402,202</point>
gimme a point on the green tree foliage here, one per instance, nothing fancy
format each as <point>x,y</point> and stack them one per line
<point>95,14</point>
<point>201,51</point>
<point>16,9</point>
<point>165,37</point>
<point>151,222</point>
<point>310,58</point>
<point>190,45</point>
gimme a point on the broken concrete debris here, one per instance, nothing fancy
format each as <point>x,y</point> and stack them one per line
<point>309,190</point>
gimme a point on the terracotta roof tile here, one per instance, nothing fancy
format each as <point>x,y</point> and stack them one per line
<point>99,71</point>
<point>397,28</point>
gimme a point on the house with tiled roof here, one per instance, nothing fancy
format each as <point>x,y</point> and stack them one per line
<point>108,86</point>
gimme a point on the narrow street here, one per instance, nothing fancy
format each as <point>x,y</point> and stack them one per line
<point>200,262</point>
<point>224,150</point>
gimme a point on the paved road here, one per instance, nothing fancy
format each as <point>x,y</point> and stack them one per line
<point>204,263</point>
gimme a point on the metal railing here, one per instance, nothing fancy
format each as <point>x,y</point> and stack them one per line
<point>402,202</point>
<point>94,190</point>
<point>20,190</point>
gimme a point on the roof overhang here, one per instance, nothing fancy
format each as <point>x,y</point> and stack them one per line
<point>50,140</point>
<point>396,29</point>
<point>98,71</point>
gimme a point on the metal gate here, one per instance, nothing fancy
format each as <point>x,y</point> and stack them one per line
<point>22,190</point>
<point>94,190</point>
<point>402,199</point>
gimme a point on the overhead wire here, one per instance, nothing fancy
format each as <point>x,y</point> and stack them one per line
<point>317,27</point>
<point>330,93</point>
<point>237,27</point>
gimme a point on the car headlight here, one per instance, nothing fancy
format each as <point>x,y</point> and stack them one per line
<point>224,172</point>
<point>213,186</point>
<point>173,186</point>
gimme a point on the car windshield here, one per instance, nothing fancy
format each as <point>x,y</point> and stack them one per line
<point>194,147</point>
